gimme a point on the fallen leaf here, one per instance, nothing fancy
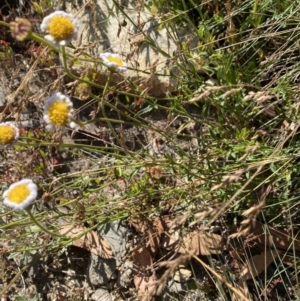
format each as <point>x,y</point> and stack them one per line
<point>143,257</point>
<point>271,237</point>
<point>253,267</point>
<point>143,260</point>
<point>89,241</point>
<point>151,228</point>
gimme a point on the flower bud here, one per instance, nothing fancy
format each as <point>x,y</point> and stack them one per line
<point>21,29</point>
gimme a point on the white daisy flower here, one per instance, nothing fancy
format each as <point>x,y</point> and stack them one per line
<point>20,194</point>
<point>113,62</point>
<point>9,134</point>
<point>61,28</point>
<point>58,111</point>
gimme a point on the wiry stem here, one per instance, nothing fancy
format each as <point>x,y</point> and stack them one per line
<point>40,225</point>
<point>104,113</point>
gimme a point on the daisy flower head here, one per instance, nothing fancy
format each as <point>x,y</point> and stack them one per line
<point>113,62</point>
<point>9,134</point>
<point>58,111</point>
<point>20,194</point>
<point>61,28</point>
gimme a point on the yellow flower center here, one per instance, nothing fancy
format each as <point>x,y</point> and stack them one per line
<point>58,113</point>
<point>7,134</point>
<point>61,28</point>
<point>19,194</point>
<point>116,61</point>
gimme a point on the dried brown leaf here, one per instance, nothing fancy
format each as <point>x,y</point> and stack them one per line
<point>256,264</point>
<point>89,241</point>
<point>143,260</point>
<point>152,229</point>
<point>279,239</point>
<point>253,267</point>
<point>144,257</point>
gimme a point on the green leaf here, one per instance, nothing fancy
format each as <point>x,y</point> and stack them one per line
<point>20,298</point>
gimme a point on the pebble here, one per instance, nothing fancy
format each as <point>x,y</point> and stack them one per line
<point>101,295</point>
<point>101,270</point>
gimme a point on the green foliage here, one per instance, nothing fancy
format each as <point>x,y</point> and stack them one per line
<point>20,298</point>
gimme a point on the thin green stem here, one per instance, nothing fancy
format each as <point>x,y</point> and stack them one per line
<point>106,87</point>
<point>19,274</point>
<point>40,225</point>
<point>107,84</point>
<point>71,75</point>
<point>92,84</point>
<point>41,40</point>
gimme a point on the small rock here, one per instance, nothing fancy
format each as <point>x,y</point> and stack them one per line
<point>177,287</point>
<point>101,295</point>
<point>117,235</point>
<point>141,42</point>
<point>3,81</point>
<point>36,270</point>
<point>182,274</point>
<point>125,275</point>
<point>100,270</point>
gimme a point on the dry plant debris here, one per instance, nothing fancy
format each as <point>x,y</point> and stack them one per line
<point>195,242</point>
<point>89,240</point>
<point>253,267</point>
<point>206,244</point>
<point>156,234</point>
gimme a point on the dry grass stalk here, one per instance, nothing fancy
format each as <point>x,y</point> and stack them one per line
<point>205,94</point>
<point>211,90</point>
<point>251,215</point>
<point>249,150</point>
<point>253,267</point>
<point>233,177</point>
<point>264,100</point>
<point>259,97</point>
<point>174,224</point>
<point>23,86</point>
<point>231,288</point>
<point>200,216</point>
<point>227,204</point>
<point>247,224</point>
<point>231,91</point>
<point>171,267</point>
<point>253,211</point>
